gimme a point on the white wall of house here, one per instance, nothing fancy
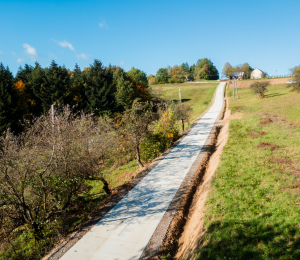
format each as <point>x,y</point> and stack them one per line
<point>257,74</point>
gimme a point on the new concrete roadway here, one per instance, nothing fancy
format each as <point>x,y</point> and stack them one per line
<point>126,229</point>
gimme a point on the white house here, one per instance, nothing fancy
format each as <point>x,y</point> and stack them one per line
<point>237,75</point>
<point>258,74</point>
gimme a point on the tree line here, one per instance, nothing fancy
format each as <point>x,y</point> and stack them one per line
<point>96,89</point>
<point>203,69</point>
<point>228,70</point>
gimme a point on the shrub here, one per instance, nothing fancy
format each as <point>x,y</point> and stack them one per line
<point>43,171</point>
<point>164,134</point>
<point>136,121</point>
<point>260,87</point>
<point>296,79</point>
<point>151,80</point>
<point>182,112</point>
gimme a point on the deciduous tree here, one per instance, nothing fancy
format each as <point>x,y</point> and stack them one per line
<point>182,112</point>
<point>136,121</point>
<point>208,70</point>
<point>162,76</point>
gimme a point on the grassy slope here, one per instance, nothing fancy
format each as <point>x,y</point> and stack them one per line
<point>198,97</point>
<point>253,211</point>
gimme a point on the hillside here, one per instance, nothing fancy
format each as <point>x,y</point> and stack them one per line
<point>252,210</point>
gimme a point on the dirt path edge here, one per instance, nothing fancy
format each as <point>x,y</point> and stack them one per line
<point>194,229</point>
<point>173,228</point>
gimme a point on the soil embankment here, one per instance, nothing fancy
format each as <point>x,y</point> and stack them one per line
<point>194,229</point>
<point>247,83</point>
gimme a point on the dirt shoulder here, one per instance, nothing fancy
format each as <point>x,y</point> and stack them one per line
<point>194,229</point>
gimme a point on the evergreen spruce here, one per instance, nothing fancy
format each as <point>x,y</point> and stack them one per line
<point>9,108</point>
<point>51,85</point>
<point>100,90</point>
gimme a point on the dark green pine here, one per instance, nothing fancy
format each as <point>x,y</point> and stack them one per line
<point>10,113</point>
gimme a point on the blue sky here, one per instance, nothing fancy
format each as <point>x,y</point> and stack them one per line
<point>151,34</point>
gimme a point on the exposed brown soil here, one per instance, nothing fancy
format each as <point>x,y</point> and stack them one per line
<point>175,229</point>
<point>271,119</point>
<point>267,145</point>
<point>254,134</point>
<point>265,121</point>
<point>247,83</point>
<point>279,161</point>
<point>295,186</point>
<point>229,117</point>
<point>193,229</point>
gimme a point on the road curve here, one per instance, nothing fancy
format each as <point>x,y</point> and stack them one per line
<point>125,230</point>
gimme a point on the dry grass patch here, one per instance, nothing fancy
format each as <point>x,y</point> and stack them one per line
<point>254,134</point>
<point>267,145</point>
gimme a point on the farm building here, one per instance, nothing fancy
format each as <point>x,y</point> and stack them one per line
<point>258,74</point>
<point>237,75</point>
<point>189,78</point>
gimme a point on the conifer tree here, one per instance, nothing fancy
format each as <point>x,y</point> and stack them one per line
<point>100,90</point>
<point>77,91</point>
<point>31,105</point>
<point>125,93</point>
<point>9,109</point>
<point>51,85</point>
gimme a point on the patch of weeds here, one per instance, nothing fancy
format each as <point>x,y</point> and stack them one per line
<point>237,109</point>
<point>267,145</point>
<point>254,134</point>
<point>166,257</point>
<point>279,161</point>
<point>265,121</point>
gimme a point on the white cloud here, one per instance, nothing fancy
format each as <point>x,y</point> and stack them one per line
<point>30,50</point>
<point>83,56</point>
<point>122,62</point>
<point>19,60</point>
<point>66,44</point>
<point>103,24</point>
<point>1,52</point>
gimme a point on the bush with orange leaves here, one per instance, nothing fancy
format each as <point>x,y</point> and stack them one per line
<point>165,132</point>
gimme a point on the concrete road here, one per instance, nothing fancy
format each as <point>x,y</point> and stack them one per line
<point>125,231</point>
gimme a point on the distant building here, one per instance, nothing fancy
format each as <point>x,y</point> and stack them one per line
<point>258,74</point>
<point>237,75</point>
<point>189,78</point>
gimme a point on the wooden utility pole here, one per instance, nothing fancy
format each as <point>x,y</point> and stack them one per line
<point>52,117</point>
<point>52,114</point>
<point>233,89</point>
<point>179,96</point>
<point>237,93</point>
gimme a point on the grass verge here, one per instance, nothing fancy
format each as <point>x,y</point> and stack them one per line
<point>253,211</point>
<point>198,96</point>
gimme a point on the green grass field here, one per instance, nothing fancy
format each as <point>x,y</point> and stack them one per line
<point>253,211</point>
<point>198,96</point>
